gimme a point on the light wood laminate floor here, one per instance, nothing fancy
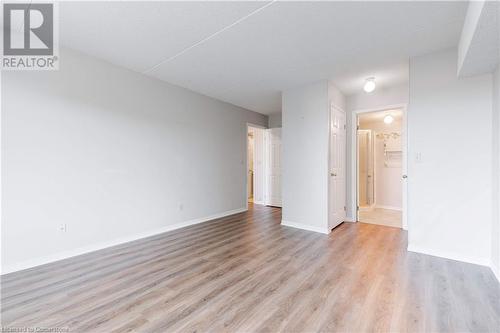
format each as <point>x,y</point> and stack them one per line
<point>247,273</point>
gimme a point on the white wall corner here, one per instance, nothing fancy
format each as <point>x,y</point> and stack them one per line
<point>95,247</point>
<point>306,227</point>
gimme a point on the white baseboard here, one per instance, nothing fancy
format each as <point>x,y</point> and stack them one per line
<point>94,247</point>
<point>305,227</point>
<point>450,255</point>
<point>389,207</point>
<point>350,219</point>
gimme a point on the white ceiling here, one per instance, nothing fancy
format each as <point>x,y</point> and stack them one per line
<point>483,51</point>
<point>246,53</point>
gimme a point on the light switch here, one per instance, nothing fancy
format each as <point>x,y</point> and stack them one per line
<point>418,158</point>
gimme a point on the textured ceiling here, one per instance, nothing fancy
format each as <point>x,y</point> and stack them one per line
<point>246,53</point>
<point>483,51</point>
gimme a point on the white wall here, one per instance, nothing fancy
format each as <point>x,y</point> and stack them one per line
<point>380,98</point>
<point>305,157</point>
<point>450,188</point>
<point>495,234</point>
<point>274,120</point>
<point>113,155</point>
<point>336,97</point>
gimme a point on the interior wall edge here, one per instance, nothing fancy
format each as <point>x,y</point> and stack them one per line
<point>100,246</point>
<point>496,271</point>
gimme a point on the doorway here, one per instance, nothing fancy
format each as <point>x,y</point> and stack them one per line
<point>250,159</point>
<point>380,172</point>
<point>255,177</point>
<point>263,176</point>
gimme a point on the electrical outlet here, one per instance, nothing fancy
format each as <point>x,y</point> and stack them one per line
<point>63,227</point>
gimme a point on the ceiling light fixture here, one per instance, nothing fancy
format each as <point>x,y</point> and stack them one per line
<point>388,119</point>
<point>369,85</point>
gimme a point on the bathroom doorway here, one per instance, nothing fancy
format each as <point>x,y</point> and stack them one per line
<point>380,175</point>
<point>255,177</point>
<point>250,161</point>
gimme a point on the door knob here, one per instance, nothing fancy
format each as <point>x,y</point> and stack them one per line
<point>333,174</point>
<point>405,176</point>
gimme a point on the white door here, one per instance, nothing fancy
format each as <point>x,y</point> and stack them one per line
<point>273,197</point>
<point>337,205</point>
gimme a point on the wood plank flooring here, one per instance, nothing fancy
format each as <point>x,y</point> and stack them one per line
<point>247,273</point>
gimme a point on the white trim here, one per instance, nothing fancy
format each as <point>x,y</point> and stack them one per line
<point>353,157</point>
<point>389,207</point>
<point>350,219</point>
<point>450,255</point>
<point>374,171</point>
<point>259,202</point>
<point>304,227</point>
<point>496,271</point>
<point>95,247</point>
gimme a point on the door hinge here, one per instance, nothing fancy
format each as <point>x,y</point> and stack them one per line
<point>357,127</point>
<point>357,207</point>
<point>345,208</point>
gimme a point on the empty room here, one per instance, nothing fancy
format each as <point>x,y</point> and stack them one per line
<point>250,166</point>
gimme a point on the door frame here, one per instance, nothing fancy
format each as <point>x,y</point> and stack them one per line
<point>354,158</point>
<point>373,168</point>
<point>248,125</point>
